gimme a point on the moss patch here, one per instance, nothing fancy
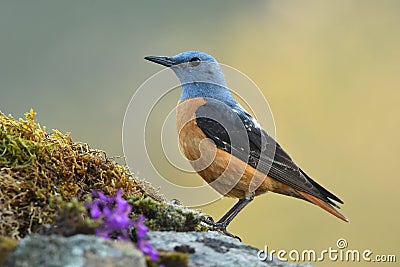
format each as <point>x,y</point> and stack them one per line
<point>39,172</point>
<point>170,259</point>
<point>45,178</point>
<point>72,219</point>
<point>161,216</point>
<point>7,245</point>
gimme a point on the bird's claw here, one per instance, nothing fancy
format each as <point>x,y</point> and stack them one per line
<point>225,232</point>
<point>219,226</point>
<point>208,220</point>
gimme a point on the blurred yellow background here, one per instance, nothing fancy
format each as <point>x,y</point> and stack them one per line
<point>330,71</point>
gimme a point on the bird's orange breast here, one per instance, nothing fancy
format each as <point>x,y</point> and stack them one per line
<point>227,174</point>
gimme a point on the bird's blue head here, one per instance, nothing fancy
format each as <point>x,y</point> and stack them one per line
<point>200,75</point>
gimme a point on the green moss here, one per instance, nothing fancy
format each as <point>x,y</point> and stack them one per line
<point>170,259</point>
<point>46,177</point>
<point>7,245</point>
<point>40,171</point>
<point>71,219</point>
<point>162,216</point>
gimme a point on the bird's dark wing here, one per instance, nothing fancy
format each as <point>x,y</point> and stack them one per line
<point>235,131</point>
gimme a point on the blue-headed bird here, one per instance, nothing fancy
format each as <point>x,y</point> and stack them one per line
<point>227,146</point>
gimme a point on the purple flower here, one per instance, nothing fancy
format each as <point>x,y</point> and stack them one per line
<point>147,249</point>
<point>144,244</point>
<point>95,210</point>
<point>114,214</point>
<point>141,229</point>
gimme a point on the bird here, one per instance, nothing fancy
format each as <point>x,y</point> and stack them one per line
<point>227,146</point>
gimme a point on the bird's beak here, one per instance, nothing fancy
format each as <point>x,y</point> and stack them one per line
<point>165,61</point>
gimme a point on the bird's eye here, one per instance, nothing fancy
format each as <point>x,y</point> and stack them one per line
<point>195,61</point>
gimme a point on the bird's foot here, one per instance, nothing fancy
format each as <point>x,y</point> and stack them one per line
<point>208,220</point>
<point>219,226</point>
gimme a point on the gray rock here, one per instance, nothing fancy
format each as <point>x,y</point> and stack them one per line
<point>204,248</point>
<point>75,251</point>
<point>212,249</point>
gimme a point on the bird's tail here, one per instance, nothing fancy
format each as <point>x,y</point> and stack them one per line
<point>323,205</point>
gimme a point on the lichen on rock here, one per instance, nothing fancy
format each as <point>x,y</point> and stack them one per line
<point>78,250</point>
<point>163,216</point>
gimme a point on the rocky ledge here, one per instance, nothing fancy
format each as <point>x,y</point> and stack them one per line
<point>177,249</point>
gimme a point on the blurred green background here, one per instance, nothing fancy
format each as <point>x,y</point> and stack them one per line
<point>329,69</point>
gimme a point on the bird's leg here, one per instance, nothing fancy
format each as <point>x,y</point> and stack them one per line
<point>236,208</point>
<point>222,223</point>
